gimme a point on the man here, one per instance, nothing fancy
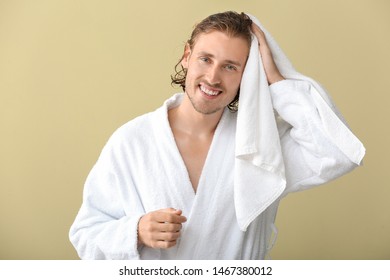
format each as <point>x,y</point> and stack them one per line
<point>163,185</point>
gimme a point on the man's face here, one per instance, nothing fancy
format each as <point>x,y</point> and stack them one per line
<point>214,69</point>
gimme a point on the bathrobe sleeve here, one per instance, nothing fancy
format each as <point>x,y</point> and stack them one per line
<point>310,156</point>
<point>103,228</point>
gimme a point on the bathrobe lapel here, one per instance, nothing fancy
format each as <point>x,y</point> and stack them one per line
<point>199,207</point>
<point>201,216</point>
<point>181,194</point>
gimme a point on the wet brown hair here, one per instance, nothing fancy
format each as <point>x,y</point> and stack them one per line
<point>231,23</point>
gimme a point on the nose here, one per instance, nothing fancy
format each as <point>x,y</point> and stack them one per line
<point>213,75</point>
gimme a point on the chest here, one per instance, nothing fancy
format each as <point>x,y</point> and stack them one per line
<point>194,152</point>
<point>181,172</point>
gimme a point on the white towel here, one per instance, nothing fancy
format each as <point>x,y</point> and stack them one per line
<point>259,167</point>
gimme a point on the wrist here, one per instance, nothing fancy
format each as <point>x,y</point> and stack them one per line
<point>276,78</point>
<point>139,239</point>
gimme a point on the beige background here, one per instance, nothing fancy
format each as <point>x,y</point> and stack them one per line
<point>72,71</point>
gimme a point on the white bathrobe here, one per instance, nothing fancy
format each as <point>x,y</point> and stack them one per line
<point>141,170</point>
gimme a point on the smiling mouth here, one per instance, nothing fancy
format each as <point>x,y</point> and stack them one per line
<point>208,91</point>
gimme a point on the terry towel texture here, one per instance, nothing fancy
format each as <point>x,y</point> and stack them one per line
<point>258,151</point>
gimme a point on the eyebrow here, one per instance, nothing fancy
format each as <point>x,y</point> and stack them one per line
<point>236,63</point>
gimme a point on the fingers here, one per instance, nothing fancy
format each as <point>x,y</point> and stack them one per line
<point>259,34</point>
<point>263,45</point>
<point>171,210</point>
<point>169,227</point>
<point>167,236</point>
<point>163,244</point>
<point>169,215</point>
<point>161,228</point>
<point>271,70</point>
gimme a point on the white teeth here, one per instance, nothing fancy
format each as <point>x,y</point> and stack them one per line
<point>208,91</point>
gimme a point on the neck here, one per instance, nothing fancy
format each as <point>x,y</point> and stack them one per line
<point>189,121</point>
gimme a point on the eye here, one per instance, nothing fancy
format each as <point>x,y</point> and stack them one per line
<point>230,67</point>
<point>204,59</point>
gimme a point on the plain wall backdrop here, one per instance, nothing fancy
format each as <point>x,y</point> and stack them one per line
<point>73,71</point>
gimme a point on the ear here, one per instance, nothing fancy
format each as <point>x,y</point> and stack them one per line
<point>186,56</point>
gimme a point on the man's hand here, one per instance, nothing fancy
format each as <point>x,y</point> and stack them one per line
<point>271,70</point>
<point>161,228</point>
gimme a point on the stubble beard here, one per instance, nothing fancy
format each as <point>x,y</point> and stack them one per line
<point>204,111</point>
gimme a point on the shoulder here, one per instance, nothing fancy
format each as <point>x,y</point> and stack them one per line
<point>149,123</point>
<point>134,130</point>
<point>128,140</point>
<point>145,128</point>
